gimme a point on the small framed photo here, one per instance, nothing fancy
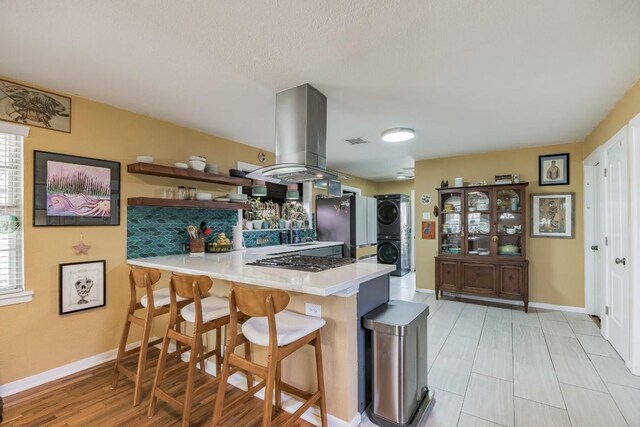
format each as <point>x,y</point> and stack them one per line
<point>429,230</point>
<point>553,215</point>
<point>553,169</point>
<point>82,286</point>
<point>72,190</point>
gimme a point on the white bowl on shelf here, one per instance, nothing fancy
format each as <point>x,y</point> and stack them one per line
<point>200,158</point>
<point>145,159</point>
<point>181,165</point>
<point>197,165</point>
<point>204,196</point>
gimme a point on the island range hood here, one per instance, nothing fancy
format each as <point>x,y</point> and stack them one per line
<point>301,138</point>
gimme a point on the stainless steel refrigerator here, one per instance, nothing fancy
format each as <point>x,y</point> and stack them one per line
<point>349,219</point>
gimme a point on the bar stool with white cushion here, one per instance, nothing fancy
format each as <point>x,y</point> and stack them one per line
<point>207,314</point>
<point>283,332</point>
<point>155,303</point>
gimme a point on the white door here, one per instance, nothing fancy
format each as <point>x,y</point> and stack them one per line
<point>616,183</point>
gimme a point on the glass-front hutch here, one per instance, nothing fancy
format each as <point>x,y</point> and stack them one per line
<point>482,241</point>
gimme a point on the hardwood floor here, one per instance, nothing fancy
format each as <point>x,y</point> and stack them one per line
<point>86,399</point>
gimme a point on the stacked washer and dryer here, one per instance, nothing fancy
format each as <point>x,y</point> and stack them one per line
<point>394,232</point>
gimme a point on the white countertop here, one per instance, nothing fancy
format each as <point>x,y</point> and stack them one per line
<point>341,281</point>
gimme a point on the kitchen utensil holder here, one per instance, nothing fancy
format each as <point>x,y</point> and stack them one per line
<point>196,246</point>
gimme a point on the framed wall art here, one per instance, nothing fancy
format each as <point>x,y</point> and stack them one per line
<point>82,286</point>
<point>553,169</point>
<point>72,190</point>
<point>429,230</point>
<point>553,215</point>
<point>34,107</point>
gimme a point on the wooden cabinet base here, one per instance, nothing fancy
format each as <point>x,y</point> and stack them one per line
<point>491,278</point>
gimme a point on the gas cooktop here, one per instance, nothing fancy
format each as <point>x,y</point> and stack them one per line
<point>303,262</point>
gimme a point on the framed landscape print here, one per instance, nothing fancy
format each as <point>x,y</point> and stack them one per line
<point>34,107</point>
<point>82,286</point>
<point>553,169</point>
<point>553,215</point>
<point>72,190</point>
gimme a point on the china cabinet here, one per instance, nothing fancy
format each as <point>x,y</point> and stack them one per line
<point>482,242</point>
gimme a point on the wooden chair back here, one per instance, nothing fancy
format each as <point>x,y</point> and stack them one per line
<point>185,285</point>
<point>255,302</point>
<point>140,276</point>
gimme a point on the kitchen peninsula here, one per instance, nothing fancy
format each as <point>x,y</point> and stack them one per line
<point>344,294</point>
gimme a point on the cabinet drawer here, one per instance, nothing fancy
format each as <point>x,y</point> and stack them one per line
<point>478,278</point>
<point>448,275</point>
<point>511,281</point>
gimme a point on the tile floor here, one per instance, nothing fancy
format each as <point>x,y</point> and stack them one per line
<point>496,366</point>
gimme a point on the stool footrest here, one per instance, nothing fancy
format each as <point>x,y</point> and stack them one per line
<point>127,372</point>
<point>296,391</point>
<point>245,365</point>
<point>301,410</point>
<point>172,401</point>
<point>245,396</point>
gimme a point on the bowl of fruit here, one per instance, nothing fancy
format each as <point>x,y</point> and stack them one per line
<point>221,244</point>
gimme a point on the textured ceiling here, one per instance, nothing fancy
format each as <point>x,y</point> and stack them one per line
<point>469,76</point>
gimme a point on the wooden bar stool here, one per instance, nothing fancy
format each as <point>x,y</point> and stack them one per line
<point>206,314</point>
<point>155,303</point>
<point>283,332</point>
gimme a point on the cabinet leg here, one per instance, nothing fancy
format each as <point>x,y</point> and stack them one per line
<point>437,294</point>
<point>526,306</point>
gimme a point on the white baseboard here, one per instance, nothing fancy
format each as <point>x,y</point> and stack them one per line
<point>425,291</point>
<point>60,372</point>
<point>516,302</point>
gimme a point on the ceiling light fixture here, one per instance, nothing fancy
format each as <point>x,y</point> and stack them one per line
<point>401,177</point>
<point>398,134</point>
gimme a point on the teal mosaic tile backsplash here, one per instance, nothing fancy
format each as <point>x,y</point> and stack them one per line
<point>157,231</point>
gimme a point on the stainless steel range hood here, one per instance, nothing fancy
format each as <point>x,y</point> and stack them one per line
<point>301,138</point>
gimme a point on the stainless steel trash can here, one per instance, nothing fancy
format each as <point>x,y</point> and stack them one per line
<point>400,396</point>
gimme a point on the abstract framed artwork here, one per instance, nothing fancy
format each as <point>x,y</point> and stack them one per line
<point>82,286</point>
<point>34,107</point>
<point>553,169</point>
<point>553,215</point>
<point>72,190</point>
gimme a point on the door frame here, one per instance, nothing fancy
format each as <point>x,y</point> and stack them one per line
<point>634,245</point>
<point>592,212</point>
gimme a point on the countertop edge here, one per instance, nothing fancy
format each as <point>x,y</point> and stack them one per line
<point>342,289</point>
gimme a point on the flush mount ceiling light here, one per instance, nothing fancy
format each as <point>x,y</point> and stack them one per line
<point>398,134</point>
<point>401,177</point>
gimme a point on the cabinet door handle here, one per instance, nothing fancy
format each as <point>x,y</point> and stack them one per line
<point>494,238</point>
<point>622,261</point>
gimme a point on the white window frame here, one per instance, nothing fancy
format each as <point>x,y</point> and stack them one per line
<point>20,295</point>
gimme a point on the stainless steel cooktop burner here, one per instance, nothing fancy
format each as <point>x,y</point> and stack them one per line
<point>303,262</point>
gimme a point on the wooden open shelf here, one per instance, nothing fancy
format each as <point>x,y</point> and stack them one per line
<point>171,172</point>
<point>175,203</point>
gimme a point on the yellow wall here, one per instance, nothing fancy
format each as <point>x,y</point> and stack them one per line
<point>556,265</point>
<point>626,109</point>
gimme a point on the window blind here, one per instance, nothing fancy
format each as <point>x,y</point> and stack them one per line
<point>11,215</point>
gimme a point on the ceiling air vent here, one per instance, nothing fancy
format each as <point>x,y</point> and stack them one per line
<point>356,141</point>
